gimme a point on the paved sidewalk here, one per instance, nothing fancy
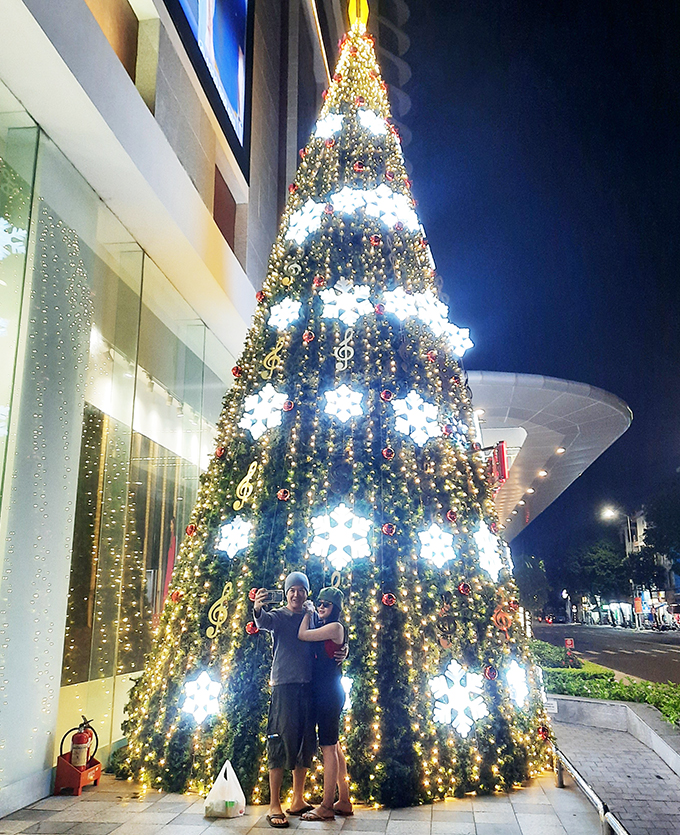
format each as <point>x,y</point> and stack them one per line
<point>636,784</point>
<point>120,807</point>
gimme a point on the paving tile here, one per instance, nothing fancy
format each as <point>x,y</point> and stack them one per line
<point>29,815</point>
<point>171,829</point>
<point>418,813</point>
<point>463,816</point>
<point>54,804</point>
<point>454,828</point>
<point>365,824</point>
<point>138,829</point>
<point>92,828</point>
<point>49,827</point>
<point>408,827</point>
<point>497,829</point>
<point>11,827</point>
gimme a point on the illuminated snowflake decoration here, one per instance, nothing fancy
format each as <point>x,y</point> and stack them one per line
<point>538,673</point>
<point>459,340</point>
<point>416,418</point>
<point>343,403</point>
<point>346,682</point>
<point>12,239</point>
<point>340,536</point>
<point>283,313</point>
<point>461,433</point>
<point>330,124</point>
<point>436,545</point>
<point>234,536</point>
<point>487,546</point>
<point>373,122</point>
<point>433,312</point>
<point>516,679</point>
<point>201,697</point>
<point>346,301</point>
<point>305,221</point>
<point>263,411</point>
<point>382,203</point>
<point>458,698</point>
<point>400,303</point>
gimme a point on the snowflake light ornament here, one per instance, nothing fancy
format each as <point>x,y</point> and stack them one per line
<point>416,418</point>
<point>234,536</point>
<point>201,697</point>
<point>346,301</point>
<point>516,679</point>
<point>330,124</point>
<point>12,239</point>
<point>347,682</point>
<point>487,546</point>
<point>343,403</point>
<point>347,200</point>
<point>381,202</point>
<point>263,411</point>
<point>400,303</point>
<point>372,122</point>
<point>461,433</point>
<point>283,313</point>
<point>436,545</point>
<point>459,340</point>
<point>458,698</point>
<point>340,536</point>
<point>433,312</point>
<point>304,221</point>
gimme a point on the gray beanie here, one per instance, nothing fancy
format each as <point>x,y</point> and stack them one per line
<point>296,578</point>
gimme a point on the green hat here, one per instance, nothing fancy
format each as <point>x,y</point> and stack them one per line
<point>332,595</point>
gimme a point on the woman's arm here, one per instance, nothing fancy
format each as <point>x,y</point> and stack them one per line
<point>329,632</point>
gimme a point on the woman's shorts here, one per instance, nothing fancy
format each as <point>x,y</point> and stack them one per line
<point>328,705</point>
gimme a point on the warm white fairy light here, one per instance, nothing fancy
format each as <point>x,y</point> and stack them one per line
<point>201,697</point>
<point>487,546</point>
<point>263,411</point>
<point>284,313</point>
<point>330,124</point>
<point>516,679</point>
<point>416,418</point>
<point>234,536</point>
<point>346,301</point>
<point>458,698</point>
<point>436,545</point>
<point>340,536</point>
<point>343,403</point>
<point>305,221</point>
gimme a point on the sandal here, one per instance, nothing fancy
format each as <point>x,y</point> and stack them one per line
<point>315,816</point>
<point>299,811</point>
<point>277,820</point>
<point>342,812</point>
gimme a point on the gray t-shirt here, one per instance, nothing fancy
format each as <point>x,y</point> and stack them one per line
<point>292,658</point>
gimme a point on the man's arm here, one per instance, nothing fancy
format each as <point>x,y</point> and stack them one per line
<point>263,619</point>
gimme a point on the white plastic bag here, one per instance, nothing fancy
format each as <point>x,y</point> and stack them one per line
<point>225,799</point>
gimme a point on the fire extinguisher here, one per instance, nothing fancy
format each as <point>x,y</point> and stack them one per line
<point>81,743</point>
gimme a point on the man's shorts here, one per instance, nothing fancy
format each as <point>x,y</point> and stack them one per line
<point>291,735</point>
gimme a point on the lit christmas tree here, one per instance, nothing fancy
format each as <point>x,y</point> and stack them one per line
<point>347,448</point>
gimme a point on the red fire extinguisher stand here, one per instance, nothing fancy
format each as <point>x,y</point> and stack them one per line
<point>77,768</point>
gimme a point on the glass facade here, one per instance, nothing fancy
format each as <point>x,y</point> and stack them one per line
<point>106,422</point>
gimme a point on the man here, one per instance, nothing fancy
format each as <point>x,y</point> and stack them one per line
<point>291,735</point>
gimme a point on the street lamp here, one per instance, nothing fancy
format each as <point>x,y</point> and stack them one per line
<point>608,514</point>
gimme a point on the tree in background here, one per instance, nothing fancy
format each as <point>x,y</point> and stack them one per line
<point>346,448</point>
<point>598,567</point>
<point>529,573</point>
<point>662,534</point>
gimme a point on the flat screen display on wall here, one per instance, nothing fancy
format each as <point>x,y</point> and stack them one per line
<point>217,35</point>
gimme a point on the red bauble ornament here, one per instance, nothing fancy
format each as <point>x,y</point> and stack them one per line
<point>447,429</point>
<point>490,673</point>
<point>359,166</point>
<point>388,529</point>
<point>386,395</point>
<point>389,175</point>
<point>251,629</point>
<point>251,594</point>
<point>476,447</point>
<point>288,405</point>
<point>292,188</point>
<point>451,515</point>
<point>408,183</point>
<point>388,453</point>
<point>513,605</point>
<point>359,100</point>
<point>464,588</point>
<point>493,527</point>
<point>330,142</point>
<point>303,153</point>
<point>318,281</point>
<point>328,208</point>
<point>389,599</point>
<point>190,529</point>
<point>324,93</point>
<point>542,732</point>
<point>176,596</point>
<point>307,337</point>
<point>283,495</point>
<point>337,77</point>
<point>398,226</point>
<point>237,371</point>
<point>353,51</point>
<point>380,309</point>
<point>455,380</point>
<point>220,452</point>
<point>259,296</point>
<point>375,240</point>
<point>432,356</point>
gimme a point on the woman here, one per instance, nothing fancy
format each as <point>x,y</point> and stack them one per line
<point>329,698</point>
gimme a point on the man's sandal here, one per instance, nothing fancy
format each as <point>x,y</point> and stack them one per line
<point>277,820</point>
<point>342,812</point>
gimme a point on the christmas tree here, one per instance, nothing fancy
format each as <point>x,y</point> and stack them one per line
<point>347,448</point>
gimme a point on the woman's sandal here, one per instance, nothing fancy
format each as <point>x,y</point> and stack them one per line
<point>277,821</point>
<point>314,816</point>
<point>342,812</point>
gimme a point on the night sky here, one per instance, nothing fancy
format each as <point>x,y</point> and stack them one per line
<point>545,160</point>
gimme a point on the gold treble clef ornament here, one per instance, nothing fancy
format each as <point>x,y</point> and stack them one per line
<point>272,360</point>
<point>502,620</point>
<point>219,612</point>
<point>245,487</point>
<point>343,352</point>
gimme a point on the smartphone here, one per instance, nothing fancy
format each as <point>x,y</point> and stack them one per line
<point>274,596</point>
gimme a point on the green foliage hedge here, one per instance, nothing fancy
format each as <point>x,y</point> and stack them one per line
<point>551,657</point>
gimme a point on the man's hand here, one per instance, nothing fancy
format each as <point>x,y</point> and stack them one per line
<point>341,654</point>
<point>308,606</point>
<point>260,601</point>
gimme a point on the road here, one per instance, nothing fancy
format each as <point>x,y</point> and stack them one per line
<point>654,656</point>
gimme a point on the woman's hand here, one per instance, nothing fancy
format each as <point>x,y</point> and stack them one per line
<point>308,607</point>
